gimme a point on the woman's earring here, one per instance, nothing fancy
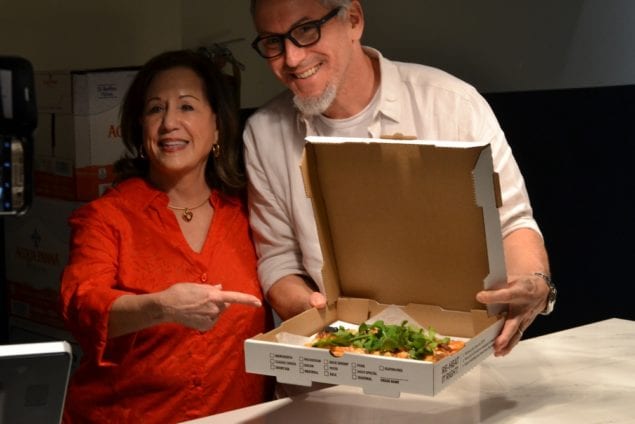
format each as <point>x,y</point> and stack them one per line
<point>142,153</point>
<point>216,150</point>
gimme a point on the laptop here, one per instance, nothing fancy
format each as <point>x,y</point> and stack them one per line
<point>33,382</point>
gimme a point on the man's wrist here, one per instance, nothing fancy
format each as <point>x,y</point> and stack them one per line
<point>551,295</point>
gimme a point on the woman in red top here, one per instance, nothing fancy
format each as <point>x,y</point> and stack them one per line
<point>161,287</point>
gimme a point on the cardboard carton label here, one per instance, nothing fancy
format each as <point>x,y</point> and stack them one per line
<point>36,248</point>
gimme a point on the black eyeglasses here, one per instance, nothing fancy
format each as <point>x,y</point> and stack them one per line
<point>303,35</point>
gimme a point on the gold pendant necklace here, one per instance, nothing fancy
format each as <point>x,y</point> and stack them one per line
<point>187,212</point>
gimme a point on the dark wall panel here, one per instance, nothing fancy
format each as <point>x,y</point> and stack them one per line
<point>576,149</point>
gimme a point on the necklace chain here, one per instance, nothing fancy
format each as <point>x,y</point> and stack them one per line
<point>187,212</point>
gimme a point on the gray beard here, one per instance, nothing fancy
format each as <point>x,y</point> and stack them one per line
<point>316,105</point>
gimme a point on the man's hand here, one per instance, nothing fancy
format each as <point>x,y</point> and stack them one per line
<point>525,292</point>
<point>526,296</point>
<point>292,295</point>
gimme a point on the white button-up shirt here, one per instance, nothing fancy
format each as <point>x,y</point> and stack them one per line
<point>414,100</point>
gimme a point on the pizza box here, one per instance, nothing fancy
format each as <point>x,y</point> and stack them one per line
<point>406,224</point>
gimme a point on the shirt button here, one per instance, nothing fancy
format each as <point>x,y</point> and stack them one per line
<point>204,277</point>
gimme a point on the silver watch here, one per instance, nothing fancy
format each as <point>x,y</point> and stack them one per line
<point>551,297</point>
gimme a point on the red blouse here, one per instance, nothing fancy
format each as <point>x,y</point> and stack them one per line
<point>128,241</point>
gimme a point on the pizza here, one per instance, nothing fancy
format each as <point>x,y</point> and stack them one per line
<point>398,341</point>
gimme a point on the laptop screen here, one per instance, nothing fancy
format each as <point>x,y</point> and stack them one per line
<point>33,382</point>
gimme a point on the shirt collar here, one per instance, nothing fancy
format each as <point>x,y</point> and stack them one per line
<point>142,195</point>
<point>389,86</point>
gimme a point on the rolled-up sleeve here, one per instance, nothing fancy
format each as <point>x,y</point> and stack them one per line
<point>516,211</point>
<point>276,243</point>
<point>88,285</point>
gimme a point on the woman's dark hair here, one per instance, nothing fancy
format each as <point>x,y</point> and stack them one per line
<point>226,172</point>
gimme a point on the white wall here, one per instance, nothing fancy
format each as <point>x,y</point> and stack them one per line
<point>503,45</point>
<point>497,45</point>
<point>216,21</point>
<point>83,34</point>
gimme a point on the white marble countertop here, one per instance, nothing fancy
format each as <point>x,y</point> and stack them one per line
<point>581,375</point>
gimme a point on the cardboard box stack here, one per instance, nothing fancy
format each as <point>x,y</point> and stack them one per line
<point>411,225</point>
<point>77,140</point>
<point>78,136</point>
<point>36,248</point>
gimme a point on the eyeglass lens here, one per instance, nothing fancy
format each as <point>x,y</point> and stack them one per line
<point>302,35</point>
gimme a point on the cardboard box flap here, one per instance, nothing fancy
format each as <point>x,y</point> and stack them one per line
<point>405,221</point>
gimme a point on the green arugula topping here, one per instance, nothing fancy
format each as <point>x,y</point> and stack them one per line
<point>380,337</point>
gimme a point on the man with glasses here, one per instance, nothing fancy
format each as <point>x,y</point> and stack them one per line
<point>337,87</point>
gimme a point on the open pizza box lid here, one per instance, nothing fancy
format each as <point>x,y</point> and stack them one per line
<point>406,222</point>
<point>410,227</point>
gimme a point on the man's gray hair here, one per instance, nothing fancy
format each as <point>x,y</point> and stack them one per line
<point>329,4</point>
